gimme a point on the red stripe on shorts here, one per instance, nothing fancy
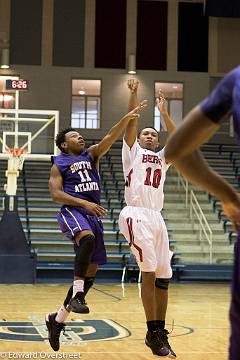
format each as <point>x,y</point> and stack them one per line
<point>131,235</point>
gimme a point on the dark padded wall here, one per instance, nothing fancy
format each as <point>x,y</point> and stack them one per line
<point>152,35</point>
<point>68,32</point>
<point>192,38</point>
<point>26,32</point>
<point>110,34</point>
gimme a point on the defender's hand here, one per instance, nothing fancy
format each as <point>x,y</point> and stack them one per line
<point>135,112</point>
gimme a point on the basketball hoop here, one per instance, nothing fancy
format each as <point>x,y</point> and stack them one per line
<point>18,155</point>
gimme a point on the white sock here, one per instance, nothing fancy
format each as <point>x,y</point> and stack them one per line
<point>78,286</point>
<point>62,315</point>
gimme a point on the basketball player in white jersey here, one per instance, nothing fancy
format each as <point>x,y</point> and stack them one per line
<point>141,221</point>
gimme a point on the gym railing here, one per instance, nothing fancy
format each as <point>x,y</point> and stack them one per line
<point>196,214</point>
<point>23,174</point>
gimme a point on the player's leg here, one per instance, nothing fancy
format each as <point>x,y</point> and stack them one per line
<point>161,300</point>
<point>72,222</point>
<point>95,255</point>
<point>88,283</point>
<point>152,339</point>
<point>84,247</point>
<point>163,275</point>
<point>235,306</point>
<point>54,330</point>
<point>139,236</point>
<point>139,240</point>
<point>155,339</point>
<point>90,277</point>
<point>98,257</point>
<point>56,321</point>
<point>148,297</point>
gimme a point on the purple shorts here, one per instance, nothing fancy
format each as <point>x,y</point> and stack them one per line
<point>234,353</point>
<point>72,220</point>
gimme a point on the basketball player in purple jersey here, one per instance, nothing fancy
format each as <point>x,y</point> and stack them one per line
<point>75,184</point>
<point>182,149</point>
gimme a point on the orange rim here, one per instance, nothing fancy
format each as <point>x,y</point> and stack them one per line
<point>16,151</point>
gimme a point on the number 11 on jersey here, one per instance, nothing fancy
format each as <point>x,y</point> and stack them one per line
<point>84,175</point>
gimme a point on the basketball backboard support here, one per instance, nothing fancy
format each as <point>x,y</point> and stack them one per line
<point>32,130</point>
<point>26,135</point>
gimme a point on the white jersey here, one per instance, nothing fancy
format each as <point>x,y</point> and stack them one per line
<point>144,173</point>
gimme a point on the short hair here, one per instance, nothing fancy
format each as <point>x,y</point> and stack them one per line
<point>148,127</point>
<point>60,138</point>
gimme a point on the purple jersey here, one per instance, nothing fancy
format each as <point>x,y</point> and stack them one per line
<point>81,179</point>
<point>225,100</point>
<point>80,176</point>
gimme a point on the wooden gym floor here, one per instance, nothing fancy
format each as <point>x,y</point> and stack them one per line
<point>115,328</point>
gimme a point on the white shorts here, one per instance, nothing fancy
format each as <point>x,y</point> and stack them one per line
<point>147,236</point>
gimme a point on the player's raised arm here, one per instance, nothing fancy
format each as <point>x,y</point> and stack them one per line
<point>161,105</point>
<point>132,127</point>
<point>98,150</point>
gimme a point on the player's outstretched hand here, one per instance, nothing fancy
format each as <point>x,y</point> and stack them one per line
<point>232,211</point>
<point>135,112</point>
<point>95,209</point>
<point>133,85</point>
<point>161,103</point>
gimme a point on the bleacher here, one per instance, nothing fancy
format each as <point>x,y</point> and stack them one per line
<point>38,214</point>
<point>225,159</point>
<point>54,252</point>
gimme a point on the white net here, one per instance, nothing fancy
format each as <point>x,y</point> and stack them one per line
<point>17,156</point>
<point>20,161</point>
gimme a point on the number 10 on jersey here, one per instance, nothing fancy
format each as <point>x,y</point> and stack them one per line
<point>153,178</point>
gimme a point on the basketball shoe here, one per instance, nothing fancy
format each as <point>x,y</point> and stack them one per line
<point>164,335</point>
<point>157,341</point>
<point>77,304</point>
<point>54,330</point>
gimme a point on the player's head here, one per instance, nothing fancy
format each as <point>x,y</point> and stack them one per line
<point>70,141</point>
<point>148,138</point>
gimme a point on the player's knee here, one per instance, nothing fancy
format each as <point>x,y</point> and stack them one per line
<point>83,256</point>
<point>86,244</point>
<point>162,283</point>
